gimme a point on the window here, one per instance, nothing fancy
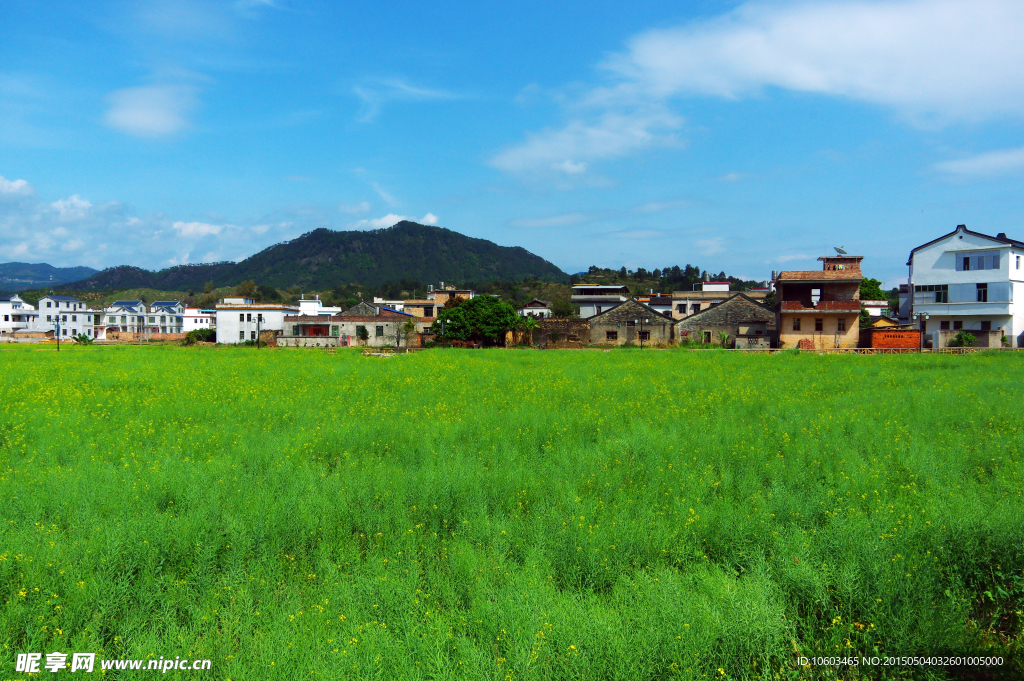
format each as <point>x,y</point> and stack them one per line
<point>841,325</point>
<point>611,335</point>
<point>645,335</point>
<point>819,324</point>
<point>124,319</point>
<point>64,331</point>
<point>334,330</point>
<point>259,318</point>
<point>944,326</point>
<point>982,293</point>
<point>796,323</point>
<point>248,317</point>
<point>681,308</point>
<point>295,330</point>
<point>986,326</point>
<point>64,318</point>
<point>74,318</point>
<point>241,335</point>
<point>598,309</point>
<point>379,332</point>
<point>163,318</point>
<point>924,326</point>
<point>978,261</point>
<point>957,325</point>
<point>152,320</point>
<point>49,304</point>
<point>241,317</point>
<point>694,308</point>
<point>1018,262</point>
<point>48,318</point>
<point>252,335</point>
<point>428,310</point>
<point>631,323</point>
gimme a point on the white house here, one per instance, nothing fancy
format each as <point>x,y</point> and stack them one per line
<point>313,307</point>
<point>594,299</point>
<point>968,280</point>
<point>125,316</point>
<point>166,316</point>
<point>239,318</point>
<point>16,314</point>
<point>876,308</point>
<point>196,318</point>
<point>536,308</point>
<point>71,314</point>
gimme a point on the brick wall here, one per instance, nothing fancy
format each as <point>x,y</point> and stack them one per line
<point>562,333</point>
<point>906,339</point>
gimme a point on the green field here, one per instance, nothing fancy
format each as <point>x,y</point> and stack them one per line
<point>511,514</point>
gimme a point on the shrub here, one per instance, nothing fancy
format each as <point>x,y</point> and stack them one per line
<point>963,339</point>
<point>199,336</point>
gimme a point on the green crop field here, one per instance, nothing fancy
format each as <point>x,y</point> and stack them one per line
<point>499,514</point>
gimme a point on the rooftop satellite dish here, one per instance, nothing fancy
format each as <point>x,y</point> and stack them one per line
<point>839,250</point>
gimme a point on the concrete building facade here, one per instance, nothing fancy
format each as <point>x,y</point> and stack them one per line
<point>239,318</point>
<point>966,280</point>
<point>819,309</point>
<point>631,322</point>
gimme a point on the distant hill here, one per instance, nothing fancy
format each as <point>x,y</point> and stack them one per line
<point>18,276</point>
<point>323,259</point>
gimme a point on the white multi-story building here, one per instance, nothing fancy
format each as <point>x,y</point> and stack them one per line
<point>971,281</point>
<point>197,318</point>
<point>70,313</point>
<point>166,316</point>
<point>16,314</point>
<point>239,319</point>
<point>314,307</point>
<point>125,316</point>
<point>595,299</point>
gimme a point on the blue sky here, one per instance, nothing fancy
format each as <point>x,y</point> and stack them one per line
<point>743,137</point>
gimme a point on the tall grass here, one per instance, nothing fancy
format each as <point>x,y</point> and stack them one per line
<point>507,515</point>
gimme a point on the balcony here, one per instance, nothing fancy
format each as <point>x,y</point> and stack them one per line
<point>821,306</point>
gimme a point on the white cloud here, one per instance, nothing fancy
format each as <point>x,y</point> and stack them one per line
<point>390,220</point>
<point>933,62</point>
<point>570,168</point>
<point>361,207</point>
<point>72,207</point>
<point>732,177</point>
<point>608,135</point>
<point>565,220</point>
<point>710,246</point>
<point>795,256</point>
<point>930,60</point>
<point>196,229</point>
<point>388,198</point>
<point>380,223</point>
<point>659,206</point>
<point>151,111</point>
<point>375,94</point>
<point>998,162</point>
<point>15,187</point>
<point>636,234</point>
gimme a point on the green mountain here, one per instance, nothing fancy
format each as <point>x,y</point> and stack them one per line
<point>18,276</point>
<point>323,259</point>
